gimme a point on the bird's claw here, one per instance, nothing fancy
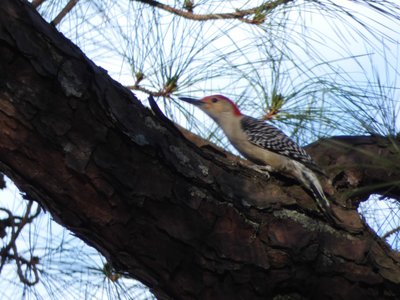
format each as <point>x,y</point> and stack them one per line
<point>263,170</point>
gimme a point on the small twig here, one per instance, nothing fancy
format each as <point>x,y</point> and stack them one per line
<point>30,264</point>
<point>19,260</point>
<point>70,5</point>
<point>160,93</point>
<point>271,114</point>
<point>15,233</point>
<point>37,3</point>
<point>389,233</point>
<point>277,101</point>
<point>238,14</point>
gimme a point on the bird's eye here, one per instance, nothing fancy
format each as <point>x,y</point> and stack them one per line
<point>213,100</point>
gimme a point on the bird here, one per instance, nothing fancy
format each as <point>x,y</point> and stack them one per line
<point>265,145</point>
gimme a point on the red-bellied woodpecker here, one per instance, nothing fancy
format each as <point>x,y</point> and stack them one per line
<point>264,144</point>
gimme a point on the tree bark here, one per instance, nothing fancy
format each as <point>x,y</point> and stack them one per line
<point>190,222</point>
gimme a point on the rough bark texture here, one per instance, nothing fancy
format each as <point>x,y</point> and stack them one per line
<point>190,222</point>
<point>361,165</point>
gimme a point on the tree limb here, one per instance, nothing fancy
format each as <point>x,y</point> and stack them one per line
<point>360,166</point>
<point>189,222</point>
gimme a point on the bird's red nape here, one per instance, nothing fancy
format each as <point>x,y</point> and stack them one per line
<point>236,110</point>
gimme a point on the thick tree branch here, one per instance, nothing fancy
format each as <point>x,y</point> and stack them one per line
<point>361,165</point>
<point>187,221</point>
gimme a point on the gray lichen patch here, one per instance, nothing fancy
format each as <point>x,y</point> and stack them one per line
<point>140,139</point>
<point>309,223</point>
<point>197,193</point>
<point>149,122</point>
<point>183,159</point>
<point>71,83</point>
<point>196,197</point>
<point>204,170</point>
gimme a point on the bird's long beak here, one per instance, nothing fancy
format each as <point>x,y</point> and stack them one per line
<point>195,102</point>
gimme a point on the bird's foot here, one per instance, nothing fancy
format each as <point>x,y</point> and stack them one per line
<point>265,170</point>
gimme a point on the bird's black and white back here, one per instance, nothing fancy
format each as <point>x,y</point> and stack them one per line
<point>273,139</point>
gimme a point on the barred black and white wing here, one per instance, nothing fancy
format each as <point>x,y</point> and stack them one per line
<point>273,139</point>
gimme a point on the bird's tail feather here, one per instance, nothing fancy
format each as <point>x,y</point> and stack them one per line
<point>315,187</point>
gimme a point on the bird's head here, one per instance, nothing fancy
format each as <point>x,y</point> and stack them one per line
<point>215,106</point>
